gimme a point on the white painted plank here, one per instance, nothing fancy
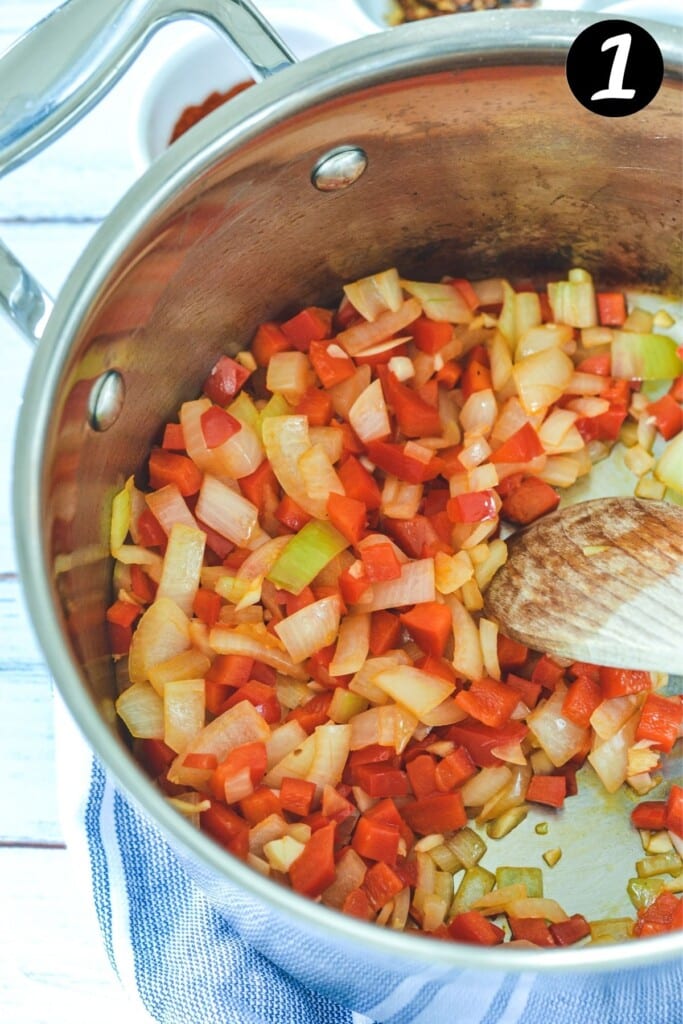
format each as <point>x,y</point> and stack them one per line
<point>53,967</point>
<point>29,808</point>
<point>49,252</point>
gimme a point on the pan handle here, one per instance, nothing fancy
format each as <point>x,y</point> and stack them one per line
<point>66,63</point>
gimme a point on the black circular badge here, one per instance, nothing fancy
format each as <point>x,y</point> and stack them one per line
<point>614,68</point>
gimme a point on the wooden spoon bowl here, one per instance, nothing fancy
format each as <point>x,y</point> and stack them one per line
<point>600,581</point>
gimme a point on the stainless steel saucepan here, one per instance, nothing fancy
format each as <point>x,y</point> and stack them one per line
<point>453,145</point>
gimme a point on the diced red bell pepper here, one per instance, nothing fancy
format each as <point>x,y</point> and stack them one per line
<point>661,719</point>
<point>600,363</point>
<point>312,324</point>
<point>380,562</point>
<point>547,672</point>
<point>381,883</point>
<point>604,427</point>
<point>547,789</point>
<point>480,739</point>
<point>430,335</point>
<point>141,585</point>
<point>422,775</point>
<point>476,377</point>
<point>430,624</point>
<point>291,515</point>
<point>174,439</point>
<point>650,814</point>
<point>357,904</point>
<point>316,405</point>
<point>583,697</point>
<point>529,500</point>
<point>522,446</point>
<point>380,780</point>
<point>353,583</point>
<point>618,682</point>
<point>248,755</point>
<point>393,459</point>
<point>674,810</point>
<point>297,795</point>
<point>227,827</point>
<point>667,414</point>
<point>417,536</point>
<point>489,701</point>
<point>313,713</point>
<point>260,805</point>
<point>511,653</point>
<point>462,285</point>
<point>331,369</point>
<point>313,871</point>
<point>472,507</point>
<point>225,380</point>
<point>472,926</point>
<point>359,483</point>
<point>611,308</point>
<point>449,374</point>
<point>437,812</point>
<point>528,691</point>
<point>385,632</point>
<point>348,515</point>
<point>376,840</point>
<point>267,342</point>
<point>172,468</point>
<point>262,696</point>
<point>531,929</point>
<point>230,669</point>
<point>454,769</point>
<point>566,933</point>
<point>415,416</point>
<point>664,914</point>
<point>261,487</point>
<point>207,606</point>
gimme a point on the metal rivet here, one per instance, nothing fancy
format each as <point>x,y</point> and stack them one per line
<point>106,400</point>
<point>339,168</point>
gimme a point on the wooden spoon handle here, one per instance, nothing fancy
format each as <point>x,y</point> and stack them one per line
<point>600,581</point>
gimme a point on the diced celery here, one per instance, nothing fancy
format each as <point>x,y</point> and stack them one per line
<point>644,356</point>
<point>475,883</point>
<point>244,409</point>
<point>616,929</point>
<point>669,467</point>
<point>530,878</point>
<point>345,705</point>
<point>643,891</point>
<point>120,516</point>
<point>307,553</point>
<point>661,864</point>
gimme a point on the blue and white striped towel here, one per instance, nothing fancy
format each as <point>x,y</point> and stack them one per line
<point>182,962</point>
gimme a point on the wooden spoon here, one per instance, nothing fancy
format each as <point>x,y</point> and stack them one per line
<point>600,581</point>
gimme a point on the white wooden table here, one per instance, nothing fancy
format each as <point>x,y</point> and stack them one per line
<point>53,967</point>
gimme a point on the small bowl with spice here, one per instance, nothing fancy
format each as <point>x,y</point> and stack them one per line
<point>189,75</point>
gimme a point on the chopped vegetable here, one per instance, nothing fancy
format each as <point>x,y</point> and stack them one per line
<point>299,596</point>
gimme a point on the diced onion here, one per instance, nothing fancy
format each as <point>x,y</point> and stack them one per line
<point>240,724</point>
<point>184,712</point>
<point>226,511</point>
<point>162,631</point>
<point>168,507</point>
<point>142,710</point>
<point>414,585</point>
<point>352,645</point>
<point>254,641</point>
<point>182,566</point>
<point>286,439</point>
<point>311,628</point>
<point>375,294</point>
<point>415,689</point>
<point>369,415</point>
<point>560,738</point>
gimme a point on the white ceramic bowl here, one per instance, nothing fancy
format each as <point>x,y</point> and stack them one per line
<point>186,63</point>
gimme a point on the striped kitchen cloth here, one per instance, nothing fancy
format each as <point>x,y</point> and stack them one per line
<point>182,962</point>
